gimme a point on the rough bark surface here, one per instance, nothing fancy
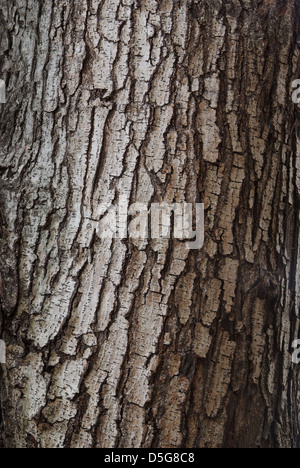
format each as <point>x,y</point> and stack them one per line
<point>116,343</point>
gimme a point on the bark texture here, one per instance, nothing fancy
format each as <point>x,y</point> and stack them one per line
<point>116,343</point>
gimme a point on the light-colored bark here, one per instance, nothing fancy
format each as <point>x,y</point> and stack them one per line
<point>116,343</point>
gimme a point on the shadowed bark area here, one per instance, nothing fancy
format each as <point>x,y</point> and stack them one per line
<point>131,343</point>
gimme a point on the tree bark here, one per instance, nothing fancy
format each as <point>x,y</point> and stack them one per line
<point>123,343</point>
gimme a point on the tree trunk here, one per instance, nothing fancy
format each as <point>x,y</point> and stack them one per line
<point>130,343</point>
